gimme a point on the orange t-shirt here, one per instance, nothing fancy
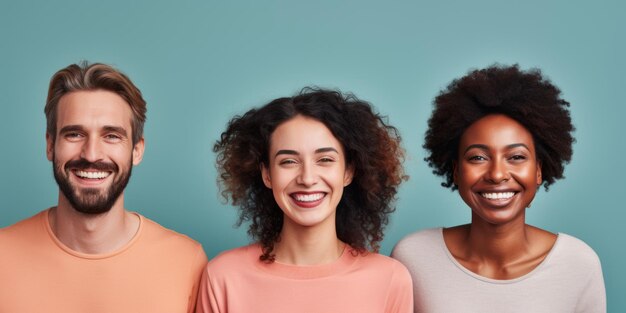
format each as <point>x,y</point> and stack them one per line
<point>238,282</point>
<point>157,271</point>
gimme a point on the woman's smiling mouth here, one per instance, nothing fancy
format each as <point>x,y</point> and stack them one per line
<point>308,199</point>
<point>497,195</point>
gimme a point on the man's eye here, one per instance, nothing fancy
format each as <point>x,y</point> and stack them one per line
<point>73,135</point>
<point>112,137</point>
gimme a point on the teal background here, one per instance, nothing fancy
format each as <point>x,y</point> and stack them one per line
<point>198,63</point>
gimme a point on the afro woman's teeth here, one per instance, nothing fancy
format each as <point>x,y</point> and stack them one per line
<point>497,195</point>
<point>92,175</point>
<point>308,197</point>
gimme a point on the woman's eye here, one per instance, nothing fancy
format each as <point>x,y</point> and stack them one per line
<point>287,162</point>
<point>325,160</point>
<point>518,157</point>
<point>477,158</point>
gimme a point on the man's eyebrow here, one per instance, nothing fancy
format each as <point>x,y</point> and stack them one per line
<point>107,128</point>
<point>70,128</point>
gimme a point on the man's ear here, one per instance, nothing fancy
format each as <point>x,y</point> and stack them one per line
<point>138,149</point>
<point>265,173</point>
<point>49,146</point>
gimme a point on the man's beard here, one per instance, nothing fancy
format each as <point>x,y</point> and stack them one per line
<point>90,200</point>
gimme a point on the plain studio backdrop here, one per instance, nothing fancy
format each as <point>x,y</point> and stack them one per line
<point>199,63</point>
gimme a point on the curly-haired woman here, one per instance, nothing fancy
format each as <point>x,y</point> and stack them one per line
<point>315,175</point>
<point>497,135</point>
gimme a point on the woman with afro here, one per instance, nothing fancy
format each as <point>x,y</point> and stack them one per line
<point>316,176</point>
<point>496,136</point>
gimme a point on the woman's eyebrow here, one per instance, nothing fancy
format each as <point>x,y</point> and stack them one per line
<point>326,149</point>
<point>476,146</point>
<point>294,152</point>
<point>485,147</point>
<point>290,152</point>
<point>515,145</point>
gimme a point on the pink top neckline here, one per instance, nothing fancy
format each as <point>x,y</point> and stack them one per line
<point>343,263</point>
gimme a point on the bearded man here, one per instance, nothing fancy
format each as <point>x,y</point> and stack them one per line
<point>88,253</point>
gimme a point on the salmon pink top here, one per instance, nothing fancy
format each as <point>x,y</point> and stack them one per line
<point>238,282</point>
<point>157,271</point>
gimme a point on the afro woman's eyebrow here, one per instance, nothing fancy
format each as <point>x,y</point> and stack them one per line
<point>485,147</point>
<point>476,146</point>
<point>515,145</point>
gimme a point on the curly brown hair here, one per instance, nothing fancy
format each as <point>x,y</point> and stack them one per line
<point>525,96</point>
<point>372,149</point>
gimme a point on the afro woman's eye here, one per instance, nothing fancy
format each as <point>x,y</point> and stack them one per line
<point>476,158</point>
<point>517,157</point>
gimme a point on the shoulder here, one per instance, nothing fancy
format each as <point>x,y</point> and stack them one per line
<point>169,240</point>
<point>575,251</point>
<point>421,237</point>
<point>23,230</point>
<point>233,266</point>
<point>234,259</point>
<point>385,266</point>
<point>382,261</point>
<point>575,262</point>
<point>389,274</point>
<point>418,242</point>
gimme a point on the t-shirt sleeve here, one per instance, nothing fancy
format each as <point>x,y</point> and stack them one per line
<point>399,251</point>
<point>593,297</point>
<point>400,298</point>
<point>198,266</point>
<point>207,302</point>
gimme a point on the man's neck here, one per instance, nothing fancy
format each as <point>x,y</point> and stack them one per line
<point>93,234</point>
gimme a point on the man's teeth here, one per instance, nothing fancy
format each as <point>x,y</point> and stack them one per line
<point>309,197</point>
<point>497,195</point>
<point>92,175</point>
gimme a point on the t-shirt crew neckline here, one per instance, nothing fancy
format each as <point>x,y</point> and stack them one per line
<point>343,263</point>
<point>491,280</point>
<point>68,250</point>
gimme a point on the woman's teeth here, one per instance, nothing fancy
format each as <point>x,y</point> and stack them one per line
<point>497,195</point>
<point>308,197</point>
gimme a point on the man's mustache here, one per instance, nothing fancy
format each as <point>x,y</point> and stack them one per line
<point>82,164</point>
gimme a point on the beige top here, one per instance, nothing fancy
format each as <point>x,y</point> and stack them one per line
<point>568,280</point>
<point>157,271</point>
